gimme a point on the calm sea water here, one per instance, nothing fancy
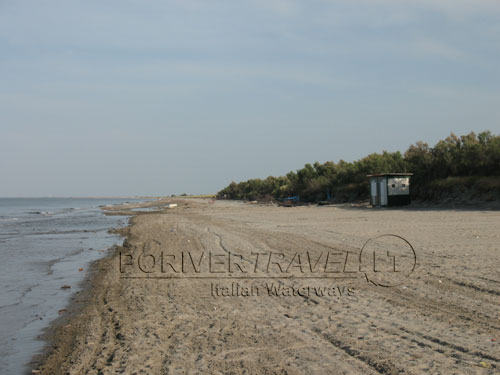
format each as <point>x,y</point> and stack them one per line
<point>43,243</point>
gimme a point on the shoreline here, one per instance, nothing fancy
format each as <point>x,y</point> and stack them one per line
<point>60,336</point>
<point>48,246</point>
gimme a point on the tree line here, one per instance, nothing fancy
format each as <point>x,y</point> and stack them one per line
<point>467,156</point>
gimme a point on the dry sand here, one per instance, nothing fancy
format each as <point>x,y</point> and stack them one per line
<point>443,319</point>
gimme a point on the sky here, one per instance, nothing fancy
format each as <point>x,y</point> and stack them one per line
<point>138,97</point>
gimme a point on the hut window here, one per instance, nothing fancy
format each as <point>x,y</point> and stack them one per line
<point>393,185</point>
<point>404,185</point>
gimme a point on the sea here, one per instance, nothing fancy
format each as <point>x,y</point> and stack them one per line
<point>45,244</point>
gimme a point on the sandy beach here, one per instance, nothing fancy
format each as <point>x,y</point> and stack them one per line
<point>182,309</point>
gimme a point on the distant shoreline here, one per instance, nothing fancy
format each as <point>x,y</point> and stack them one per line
<point>92,197</point>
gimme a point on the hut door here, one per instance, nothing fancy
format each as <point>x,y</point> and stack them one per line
<point>373,192</point>
<point>383,191</point>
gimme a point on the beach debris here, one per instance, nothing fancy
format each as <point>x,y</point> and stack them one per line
<point>66,287</point>
<point>80,269</point>
<point>35,371</point>
<point>172,205</point>
<point>62,311</point>
<point>484,364</point>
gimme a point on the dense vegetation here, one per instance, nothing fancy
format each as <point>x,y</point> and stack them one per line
<point>454,161</point>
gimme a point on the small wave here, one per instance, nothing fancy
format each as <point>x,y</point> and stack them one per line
<point>9,219</point>
<point>44,213</point>
<point>11,305</point>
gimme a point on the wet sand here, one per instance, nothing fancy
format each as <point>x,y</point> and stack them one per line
<point>443,319</point>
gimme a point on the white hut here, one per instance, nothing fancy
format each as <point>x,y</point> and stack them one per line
<point>390,189</point>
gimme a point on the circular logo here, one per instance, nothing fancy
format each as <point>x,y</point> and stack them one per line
<point>387,260</point>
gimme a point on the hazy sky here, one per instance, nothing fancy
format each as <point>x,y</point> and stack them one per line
<point>159,97</point>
